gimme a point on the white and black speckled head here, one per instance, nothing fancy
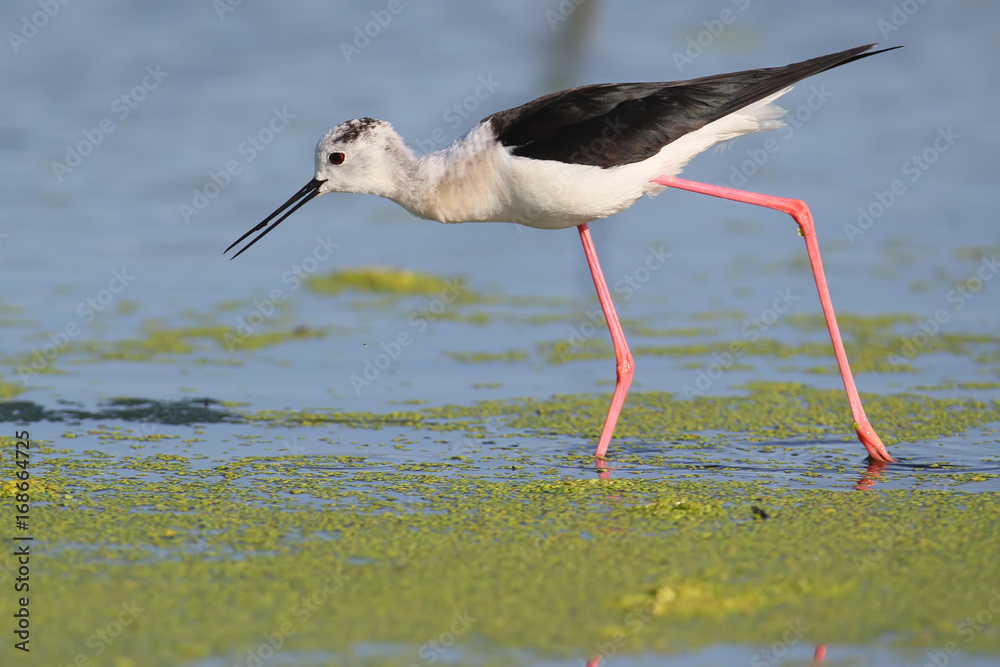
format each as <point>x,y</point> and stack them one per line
<point>363,155</point>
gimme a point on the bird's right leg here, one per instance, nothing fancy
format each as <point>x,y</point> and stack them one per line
<point>625,362</point>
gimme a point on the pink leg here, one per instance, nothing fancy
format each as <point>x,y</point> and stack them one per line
<point>820,655</point>
<point>625,363</point>
<point>798,210</point>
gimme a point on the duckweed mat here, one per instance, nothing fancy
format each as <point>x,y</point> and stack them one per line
<point>151,550</point>
<point>312,557</point>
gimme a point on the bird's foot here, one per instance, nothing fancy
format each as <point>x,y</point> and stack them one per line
<point>876,450</point>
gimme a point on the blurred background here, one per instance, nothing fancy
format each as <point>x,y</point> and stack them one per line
<point>140,139</point>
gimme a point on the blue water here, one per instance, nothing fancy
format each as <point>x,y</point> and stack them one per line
<point>154,98</point>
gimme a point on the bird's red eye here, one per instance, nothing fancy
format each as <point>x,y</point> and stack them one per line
<point>336,158</point>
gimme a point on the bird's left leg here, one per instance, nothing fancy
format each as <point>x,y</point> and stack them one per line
<point>798,210</point>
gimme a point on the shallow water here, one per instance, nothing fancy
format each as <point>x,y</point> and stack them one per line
<point>113,229</point>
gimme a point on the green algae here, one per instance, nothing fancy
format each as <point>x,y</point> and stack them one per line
<point>213,559</point>
<point>9,390</point>
<point>160,342</point>
<point>639,329</point>
<point>730,315</point>
<point>12,315</point>
<point>887,343</point>
<point>976,253</point>
<point>851,323</point>
<point>765,411</point>
<point>451,297</point>
<point>507,356</point>
<point>874,344</point>
<point>768,411</point>
<point>127,306</point>
<point>386,280</point>
<point>565,350</point>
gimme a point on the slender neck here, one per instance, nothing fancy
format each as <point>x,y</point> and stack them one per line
<point>402,175</point>
<point>455,184</point>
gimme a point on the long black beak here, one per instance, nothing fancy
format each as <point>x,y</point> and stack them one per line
<point>310,190</point>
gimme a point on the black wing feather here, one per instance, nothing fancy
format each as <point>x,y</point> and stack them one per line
<point>609,124</point>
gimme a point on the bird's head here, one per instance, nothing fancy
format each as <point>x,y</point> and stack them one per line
<point>363,155</point>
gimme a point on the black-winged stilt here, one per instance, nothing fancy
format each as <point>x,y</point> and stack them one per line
<point>575,156</point>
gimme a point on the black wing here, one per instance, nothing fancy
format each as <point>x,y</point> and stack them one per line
<point>609,124</point>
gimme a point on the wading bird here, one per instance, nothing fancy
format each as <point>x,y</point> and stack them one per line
<point>576,156</point>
